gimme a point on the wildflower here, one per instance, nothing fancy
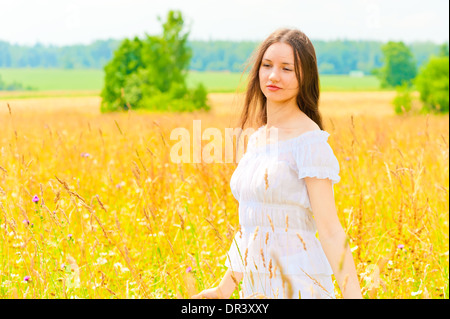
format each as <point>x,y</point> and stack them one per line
<point>347,158</point>
<point>401,246</point>
<point>35,199</point>
<point>85,154</point>
<point>27,279</point>
<point>26,221</point>
<point>69,236</point>
<point>188,269</point>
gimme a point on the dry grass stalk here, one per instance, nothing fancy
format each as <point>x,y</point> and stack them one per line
<point>286,281</point>
<point>101,204</point>
<point>271,224</point>
<point>344,284</point>
<point>256,233</point>
<point>316,282</point>
<point>251,278</point>
<point>301,239</point>
<point>245,257</point>
<point>263,259</point>
<point>215,229</point>
<point>266,179</point>
<point>270,269</point>
<point>181,219</point>
<point>233,277</point>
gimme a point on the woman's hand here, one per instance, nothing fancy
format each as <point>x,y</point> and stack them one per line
<point>224,290</point>
<point>211,293</point>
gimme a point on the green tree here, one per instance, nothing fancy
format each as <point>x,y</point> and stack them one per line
<point>126,61</point>
<point>443,50</point>
<point>151,73</point>
<point>433,84</point>
<point>399,65</point>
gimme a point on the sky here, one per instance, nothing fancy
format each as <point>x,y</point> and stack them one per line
<point>65,22</point>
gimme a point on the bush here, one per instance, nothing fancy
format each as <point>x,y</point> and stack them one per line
<point>14,86</point>
<point>403,100</point>
<point>151,73</point>
<point>433,85</point>
<point>200,96</point>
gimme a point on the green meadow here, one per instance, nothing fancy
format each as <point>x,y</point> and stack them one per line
<point>92,79</point>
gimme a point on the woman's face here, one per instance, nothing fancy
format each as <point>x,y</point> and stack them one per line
<point>277,78</point>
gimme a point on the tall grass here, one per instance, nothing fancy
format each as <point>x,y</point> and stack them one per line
<point>115,218</point>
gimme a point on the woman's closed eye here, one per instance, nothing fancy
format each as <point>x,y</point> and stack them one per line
<point>266,65</point>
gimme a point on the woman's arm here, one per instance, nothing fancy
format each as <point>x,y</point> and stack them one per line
<point>224,290</point>
<point>332,236</point>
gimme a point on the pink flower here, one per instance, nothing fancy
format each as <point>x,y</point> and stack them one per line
<point>188,269</point>
<point>27,279</point>
<point>401,246</point>
<point>35,199</point>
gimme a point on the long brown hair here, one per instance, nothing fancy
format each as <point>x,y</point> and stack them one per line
<point>255,106</point>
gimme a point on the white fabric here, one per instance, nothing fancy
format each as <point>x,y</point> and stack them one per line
<point>275,217</point>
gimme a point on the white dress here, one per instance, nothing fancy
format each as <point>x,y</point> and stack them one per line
<point>277,227</point>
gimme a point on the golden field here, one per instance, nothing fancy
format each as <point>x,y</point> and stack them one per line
<point>116,218</point>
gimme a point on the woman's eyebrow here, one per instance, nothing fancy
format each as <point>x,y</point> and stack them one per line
<point>281,62</point>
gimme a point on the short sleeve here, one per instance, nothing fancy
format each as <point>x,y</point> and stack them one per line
<point>314,157</point>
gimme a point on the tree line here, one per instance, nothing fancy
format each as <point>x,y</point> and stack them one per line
<point>334,57</point>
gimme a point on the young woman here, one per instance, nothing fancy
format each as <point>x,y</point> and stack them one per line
<point>285,196</point>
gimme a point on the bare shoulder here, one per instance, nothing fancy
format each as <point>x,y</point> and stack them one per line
<point>303,125</point>
<point>310,125</point>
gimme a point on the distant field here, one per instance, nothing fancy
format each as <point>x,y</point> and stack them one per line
<point>55,79</point>
<point>92,80</point>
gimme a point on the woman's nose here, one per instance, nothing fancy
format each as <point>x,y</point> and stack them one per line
<point>274,76</point>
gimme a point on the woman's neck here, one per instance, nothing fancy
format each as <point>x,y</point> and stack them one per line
<point>283,115</point>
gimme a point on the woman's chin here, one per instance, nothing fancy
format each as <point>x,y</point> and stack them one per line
<point>273,98</point>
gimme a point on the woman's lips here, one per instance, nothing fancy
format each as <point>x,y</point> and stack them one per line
<point>273,88</point>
